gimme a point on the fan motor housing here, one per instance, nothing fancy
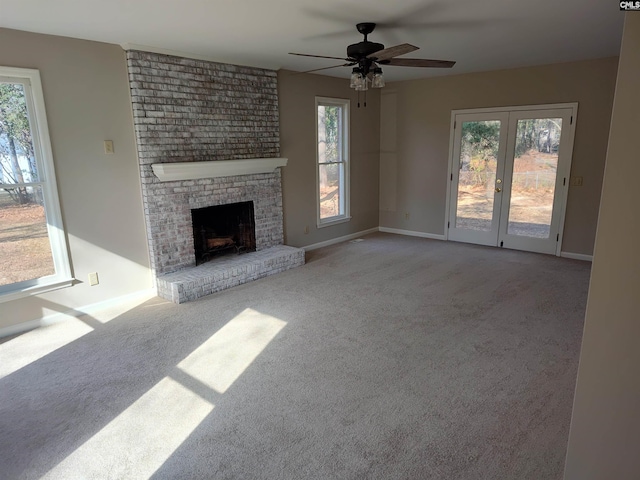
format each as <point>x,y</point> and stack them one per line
<point>363,49</point>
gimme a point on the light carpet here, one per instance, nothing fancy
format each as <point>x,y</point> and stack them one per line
<point>388,358</point>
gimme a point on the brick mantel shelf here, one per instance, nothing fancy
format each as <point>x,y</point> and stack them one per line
<point>168,172</point>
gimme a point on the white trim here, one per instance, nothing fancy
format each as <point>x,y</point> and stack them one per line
<point>169,172</point>
<point>74,312</point>
<point>515,108</point>
<point>37,116</point>
<point>344,238</point>
<point>35,290</point>
<point>411,233</point>
<point>567,174</point>
<point>577,256</point>
<point>447,203</point>
<point>334,222</point>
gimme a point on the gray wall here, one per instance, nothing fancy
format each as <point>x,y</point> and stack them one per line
<point>87,100</point>
<point>297,94</point>
<point>605,428</point>
<point>422,120</point>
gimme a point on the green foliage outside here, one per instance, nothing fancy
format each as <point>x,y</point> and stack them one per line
<point>480,143</point>
<point>481,140</point>
<point>331,123</point>
<point>15,140</point>
<point>540,134</point>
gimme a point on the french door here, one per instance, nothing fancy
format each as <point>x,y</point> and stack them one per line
<point>509,176</point>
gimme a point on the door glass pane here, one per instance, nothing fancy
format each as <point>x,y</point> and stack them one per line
<point>24,242</point>
<point>477,175</point>
<point>534,177</point>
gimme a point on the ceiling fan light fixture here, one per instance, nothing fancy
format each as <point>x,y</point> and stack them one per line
<point>356,77</point>
<point>378,78</point>
<point>363,87</point>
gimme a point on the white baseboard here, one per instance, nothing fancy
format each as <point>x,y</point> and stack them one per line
<point>412,233</point>
<point>577,256</point>
<point>74,312</point>
<point>345,238</point>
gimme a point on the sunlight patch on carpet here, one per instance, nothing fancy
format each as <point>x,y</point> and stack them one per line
<point>220,360</point>
<point>30,347</point>
<point>139,440</point>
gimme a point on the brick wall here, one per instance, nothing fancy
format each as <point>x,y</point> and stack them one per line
<point>192,110</point>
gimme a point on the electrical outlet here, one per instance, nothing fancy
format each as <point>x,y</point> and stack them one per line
<point>306,229</point>
<point>93,279</point>
<point>576,181</point>
<point>406,216</point>
<point>108,147</point>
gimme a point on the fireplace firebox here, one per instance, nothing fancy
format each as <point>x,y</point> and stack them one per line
<point>223,229</point>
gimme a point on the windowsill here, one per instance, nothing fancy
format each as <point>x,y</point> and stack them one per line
<point>334,222</point>
<point>35,290</point>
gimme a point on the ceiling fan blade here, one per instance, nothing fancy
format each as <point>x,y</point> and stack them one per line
<point>418,62</point>
<point>393,51</point>
<point>324,68</point>
<point>318,56</point>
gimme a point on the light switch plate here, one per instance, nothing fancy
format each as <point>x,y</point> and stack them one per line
<point>93,279</point>
<point>108,147</point>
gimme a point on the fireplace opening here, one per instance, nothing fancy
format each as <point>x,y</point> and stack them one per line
<point>223,229</point>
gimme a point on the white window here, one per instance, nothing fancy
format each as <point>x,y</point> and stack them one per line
<point>332,169</point>
<point>33,249</point>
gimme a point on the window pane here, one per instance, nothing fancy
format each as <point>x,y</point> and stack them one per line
<point>24,242</point>
<point>478,163</point>
<point>329,134</point>
<point>17,158</point>
<point>534,177</point>
<point>331,195</point>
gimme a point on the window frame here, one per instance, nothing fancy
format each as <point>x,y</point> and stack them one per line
<point>34,97</point>
<point>345,160</point>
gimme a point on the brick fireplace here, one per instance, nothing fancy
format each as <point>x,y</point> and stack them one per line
<point>192,111</point>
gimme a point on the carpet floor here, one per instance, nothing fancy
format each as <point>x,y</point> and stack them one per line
<point>387,358</point>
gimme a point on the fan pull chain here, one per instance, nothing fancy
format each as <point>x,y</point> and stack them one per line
<point>365,99</point>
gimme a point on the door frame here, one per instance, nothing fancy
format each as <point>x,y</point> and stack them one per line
<point>570,132</point>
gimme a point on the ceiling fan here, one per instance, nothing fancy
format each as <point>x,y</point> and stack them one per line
<point>367,57</point>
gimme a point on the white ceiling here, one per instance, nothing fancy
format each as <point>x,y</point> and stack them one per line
<point>479,34</point>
